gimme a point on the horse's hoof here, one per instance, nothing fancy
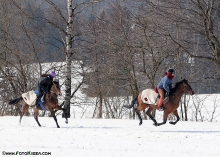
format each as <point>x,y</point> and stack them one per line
<point>173,123</point>
<point>140,123</point>
<point>155,124</point>
<point>66,121</point>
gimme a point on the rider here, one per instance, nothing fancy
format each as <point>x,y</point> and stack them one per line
<point>165,85</point>
<point>44,83</point>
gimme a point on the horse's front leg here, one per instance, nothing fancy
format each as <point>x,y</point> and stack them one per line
<point>150,109</point>
<point>64,112</point>
<point>177,117</point>
<point>54,117</point>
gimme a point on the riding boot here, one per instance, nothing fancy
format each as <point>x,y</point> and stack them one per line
<point>160,104</point>
<point>161,108</point>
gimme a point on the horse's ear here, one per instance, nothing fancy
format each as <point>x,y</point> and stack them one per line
<point>56,80</point>
<point>184,80</point>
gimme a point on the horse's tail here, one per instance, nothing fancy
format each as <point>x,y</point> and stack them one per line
<point>15,101</point>
<point>132,103</point>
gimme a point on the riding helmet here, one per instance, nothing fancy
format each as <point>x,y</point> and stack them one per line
<point>172,71</point>
<point>53,74</point>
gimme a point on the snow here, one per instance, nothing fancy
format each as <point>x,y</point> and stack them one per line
<point>108,138</point>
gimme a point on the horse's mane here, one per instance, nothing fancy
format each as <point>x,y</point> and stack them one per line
<point>173,90</point>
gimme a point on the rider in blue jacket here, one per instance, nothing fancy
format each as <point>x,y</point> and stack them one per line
<point>165,85</point>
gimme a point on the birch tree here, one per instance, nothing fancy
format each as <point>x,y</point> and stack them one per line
<point>69,42</point>
<point>73,9</point>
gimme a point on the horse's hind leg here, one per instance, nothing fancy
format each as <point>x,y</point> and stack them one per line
<point>141,107</point>
<point>36,112</point>
<point>139,116</point>
<point>54,117</point>
<point>25,108</point>
<point>177,116</point>
<point>150,109</point>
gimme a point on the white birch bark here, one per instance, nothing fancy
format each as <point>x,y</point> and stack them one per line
<point>69,40</point>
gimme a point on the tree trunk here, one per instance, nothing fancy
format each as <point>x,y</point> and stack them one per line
<point>100,106</point>
<point>185,108</point>
<point>69,41</point>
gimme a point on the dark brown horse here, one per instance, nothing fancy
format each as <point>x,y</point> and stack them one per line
<point>50,104</point>
<point>169,107</point>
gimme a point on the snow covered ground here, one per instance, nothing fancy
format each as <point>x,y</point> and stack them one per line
<point>108,138</point>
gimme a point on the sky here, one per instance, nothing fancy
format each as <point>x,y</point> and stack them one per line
<point>107,138</point>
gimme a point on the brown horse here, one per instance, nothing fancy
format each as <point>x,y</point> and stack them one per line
<point>169,107</point>
<point>50,104</point>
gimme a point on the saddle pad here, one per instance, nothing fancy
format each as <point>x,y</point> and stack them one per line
<point>149,96</point>
<point>29,97</point>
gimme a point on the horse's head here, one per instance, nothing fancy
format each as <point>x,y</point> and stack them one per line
<point>56,88</point>
<point>186,87</point>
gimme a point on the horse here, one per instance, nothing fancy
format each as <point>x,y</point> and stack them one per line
<point>169,107</point>
<point>50,104</point>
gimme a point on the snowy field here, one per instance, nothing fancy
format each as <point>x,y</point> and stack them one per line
<point>108,138</point>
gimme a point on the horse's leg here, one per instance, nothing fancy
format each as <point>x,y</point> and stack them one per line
<point>139,116</point>
<point>36,112</point>
<point>64,111</point>
<point>54,117</point>
<point>141,107</point>
<point>165,115</point>
<point>25,108</point>
<point>150,109</point>
<point>177,116</point>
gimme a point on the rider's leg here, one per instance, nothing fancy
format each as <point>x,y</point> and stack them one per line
<point>40,93</point>
<point>160,103</point>
<point>166,97</point>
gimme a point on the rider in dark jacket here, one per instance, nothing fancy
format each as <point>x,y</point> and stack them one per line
<point>165,85</point>
<point>44,85</point>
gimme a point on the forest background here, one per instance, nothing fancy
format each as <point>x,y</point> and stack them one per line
<point>105,52</point>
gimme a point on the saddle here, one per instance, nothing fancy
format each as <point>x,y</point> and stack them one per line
<point>29,97</point>
<point>149,96</point>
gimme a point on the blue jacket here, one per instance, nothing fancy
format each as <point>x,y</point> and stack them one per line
<point>165,83</point>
